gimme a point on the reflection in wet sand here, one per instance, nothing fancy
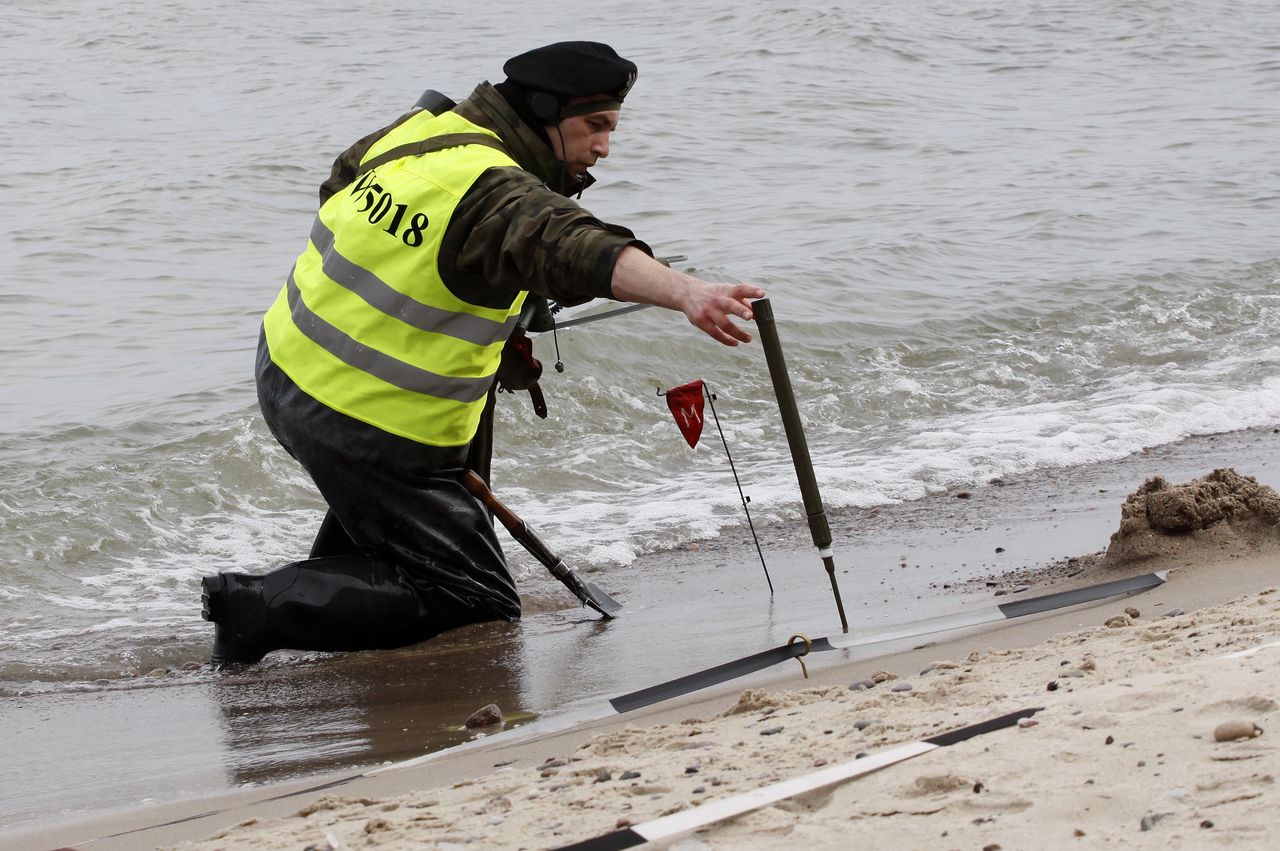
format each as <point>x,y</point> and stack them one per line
<point>365,708</point>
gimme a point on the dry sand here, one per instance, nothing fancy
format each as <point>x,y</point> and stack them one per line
<point>1123,753</point>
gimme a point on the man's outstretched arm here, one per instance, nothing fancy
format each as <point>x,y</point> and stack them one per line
<point>638,277</point>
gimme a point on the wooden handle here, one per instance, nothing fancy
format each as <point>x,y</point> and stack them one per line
<point>521,532</point>
<point>477,488</point>
<point>593,597</point>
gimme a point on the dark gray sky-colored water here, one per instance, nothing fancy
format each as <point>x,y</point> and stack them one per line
<point>998,238</point>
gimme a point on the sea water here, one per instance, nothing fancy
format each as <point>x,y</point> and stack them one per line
<point>998,237</point>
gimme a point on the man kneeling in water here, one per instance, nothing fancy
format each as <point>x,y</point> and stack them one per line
<point>377,358</point>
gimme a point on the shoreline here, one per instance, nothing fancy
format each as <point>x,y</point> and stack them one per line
<point>703,600</point>
<point>552,793</point>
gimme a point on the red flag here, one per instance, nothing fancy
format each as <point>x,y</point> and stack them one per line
<point>686,403</point>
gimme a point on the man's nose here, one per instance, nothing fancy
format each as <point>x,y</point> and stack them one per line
<point>601,147</point>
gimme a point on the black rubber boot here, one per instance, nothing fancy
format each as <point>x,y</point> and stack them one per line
<point>333,540</point>
<point>233,602</point>
<point>333,603</point>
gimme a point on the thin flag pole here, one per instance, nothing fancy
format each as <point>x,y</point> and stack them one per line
<point>818,526</point>
<point>711,399</point>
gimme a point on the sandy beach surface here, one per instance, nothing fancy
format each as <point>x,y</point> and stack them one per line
<point>1122,751</point>
<point>1123,754</point>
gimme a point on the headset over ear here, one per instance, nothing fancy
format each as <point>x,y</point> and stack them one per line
<point>544,106</point>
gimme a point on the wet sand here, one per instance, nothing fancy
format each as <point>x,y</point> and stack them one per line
<point>333,716</point>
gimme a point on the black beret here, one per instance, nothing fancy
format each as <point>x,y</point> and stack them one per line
<point>572,69</point>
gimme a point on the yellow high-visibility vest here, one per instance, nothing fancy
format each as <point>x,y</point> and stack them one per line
<point>364,324</point>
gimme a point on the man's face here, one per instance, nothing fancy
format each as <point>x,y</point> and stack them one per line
<point>583,139</point>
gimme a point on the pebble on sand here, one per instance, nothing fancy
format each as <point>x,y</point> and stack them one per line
<point>1149,821</point>
<point>486,716</point>
<point>1229,731</point>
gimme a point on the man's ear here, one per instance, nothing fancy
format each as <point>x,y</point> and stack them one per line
<point>545,107</point>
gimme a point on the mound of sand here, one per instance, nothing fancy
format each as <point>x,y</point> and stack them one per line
<point>1223,511</point>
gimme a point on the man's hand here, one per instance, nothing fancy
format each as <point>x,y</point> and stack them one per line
<point>638,277</point>
<point>708,306</point>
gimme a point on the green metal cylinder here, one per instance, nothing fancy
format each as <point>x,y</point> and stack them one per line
<point>818,526</point>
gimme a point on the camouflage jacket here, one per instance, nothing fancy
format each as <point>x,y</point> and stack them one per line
<point>512,231</point>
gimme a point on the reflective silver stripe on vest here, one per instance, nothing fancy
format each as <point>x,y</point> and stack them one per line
<point>377,363</point>
<point>377,292</point>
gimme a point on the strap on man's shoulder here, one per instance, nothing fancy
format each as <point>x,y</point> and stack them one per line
<point>435,143</point>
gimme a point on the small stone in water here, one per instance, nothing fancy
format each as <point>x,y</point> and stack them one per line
<point>629,775</point>
<point>902,687</point>
<point>486,716</point>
